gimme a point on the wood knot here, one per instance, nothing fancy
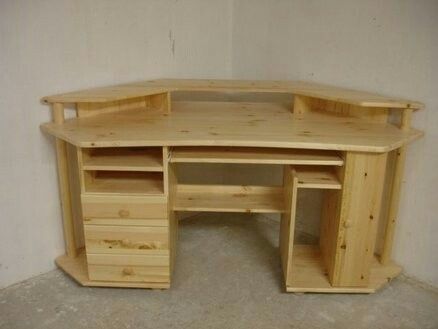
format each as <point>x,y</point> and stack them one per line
<point>128,271</point>
<point>123,213</point>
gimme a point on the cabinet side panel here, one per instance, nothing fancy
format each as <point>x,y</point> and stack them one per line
<point>357,219</point>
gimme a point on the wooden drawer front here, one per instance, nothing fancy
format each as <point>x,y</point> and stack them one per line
<point>128,260</point>
<point>124,207</point>
<point>129,273</point>
<point>127,221</point>
<point>126,239</point>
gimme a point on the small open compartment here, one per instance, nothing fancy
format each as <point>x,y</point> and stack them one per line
<point>303,266</point>
<point>123,159</point>
<point>124,182</point>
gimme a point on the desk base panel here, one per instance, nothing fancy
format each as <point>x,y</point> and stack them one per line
<point>308,274</point>
<point>77,269</point>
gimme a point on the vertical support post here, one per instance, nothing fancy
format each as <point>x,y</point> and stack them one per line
<point>173,219</point>
<point>159,102</point>
<point>394,200</point>
<point>355,220</point>
<point>287,224</point>
<point>301,105</point>
<point>64,185</point>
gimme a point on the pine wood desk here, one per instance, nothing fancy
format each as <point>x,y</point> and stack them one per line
<point>119,187</point>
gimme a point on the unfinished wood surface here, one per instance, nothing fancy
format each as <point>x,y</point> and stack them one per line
<point>393,204</point>
<point>118,182</point>
<point>128,259</point>
<point>165,159</point>
<point>64,185</point>
<point>229,198</point>
<point>317,178</point>
<point>126,239</point>
<point>329,223</point>
<point>75,194</point>
<point>306,105</point>
<point>287,223</point>
<point>113,274</point>
<point>356,219</point>
<point>394,190</point>
<point>123,159</point>
<point>309,275</point>
<point>230,124</point>
<point>139,89</point>
<point>159,102</point>
<point>173,219</point>
<point>128,221</point>
<point>123,207</point>
<point>77,268</point>
<point>254,155</point>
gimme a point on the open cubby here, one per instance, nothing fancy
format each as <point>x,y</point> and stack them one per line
<point>229,198</point>
<point>124,182</point>
<point>123,159</point>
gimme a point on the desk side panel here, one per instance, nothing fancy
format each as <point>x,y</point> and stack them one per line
<point>355,219</point>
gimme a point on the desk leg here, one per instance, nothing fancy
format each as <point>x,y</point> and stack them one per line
<point>172,216</point>
<point>394,198</point>
<point>349,247</point>
<point>64,185</point>
<point>64,190</point>
<point>287,224</point>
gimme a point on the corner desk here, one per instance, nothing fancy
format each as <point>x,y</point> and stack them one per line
<point>117,159</point>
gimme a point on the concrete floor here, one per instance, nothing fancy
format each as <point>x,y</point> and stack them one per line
<point>228,276</point>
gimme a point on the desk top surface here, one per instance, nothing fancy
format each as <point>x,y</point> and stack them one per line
<point>145,88</point>
<point>230,124</point>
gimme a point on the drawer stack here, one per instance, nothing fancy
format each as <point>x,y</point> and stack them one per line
<point>125,213</point>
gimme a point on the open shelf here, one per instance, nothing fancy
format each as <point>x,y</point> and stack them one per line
<point>255,155</point>
<point>120,182</point>
<point>123,159</point>
<point>308,273</point>
<point>229,198</point>
<point>317,178</point>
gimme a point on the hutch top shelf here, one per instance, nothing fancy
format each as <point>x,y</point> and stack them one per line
<point>146,88</point>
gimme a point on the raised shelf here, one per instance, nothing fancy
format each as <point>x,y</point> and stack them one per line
<point>123,159</point>
<point>229,198</point>
<point>151,87</point>
<point>255,156</point>
<point>317,178</point>
<point>118,182</point>
<point>308,274</point>
<point>77,268</point>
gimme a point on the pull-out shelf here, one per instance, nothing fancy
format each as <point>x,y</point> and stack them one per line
<point>255,155</point>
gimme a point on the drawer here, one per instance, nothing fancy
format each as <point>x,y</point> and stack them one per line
<point>126,239</point>
<point>128,260</point>
<point>129,273</point>
<point>123,207</point>
<point>127,221</point>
